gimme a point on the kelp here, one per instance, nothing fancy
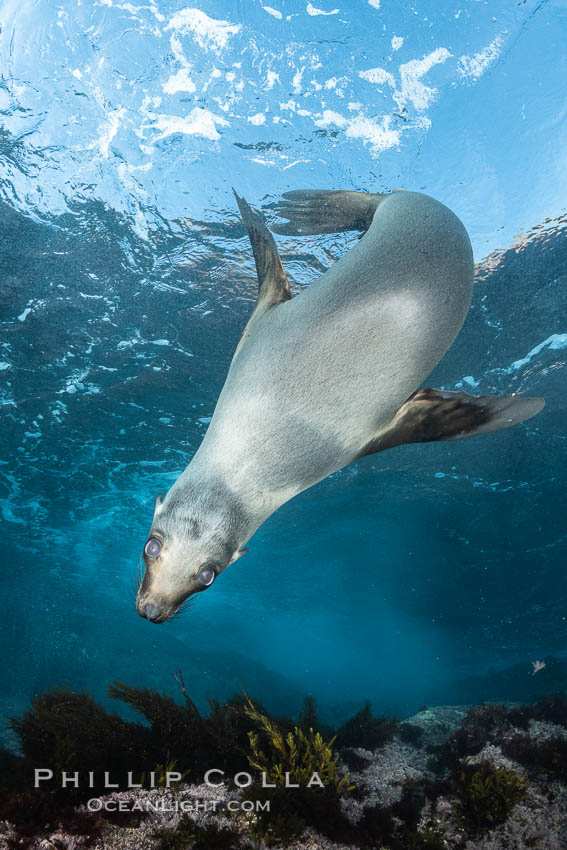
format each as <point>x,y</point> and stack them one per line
<point>295,758</point>
<point>486,796</point>
<point>366,730</point>
<point>176,730</point>
<point>548,756</point>
<point>69,731</point>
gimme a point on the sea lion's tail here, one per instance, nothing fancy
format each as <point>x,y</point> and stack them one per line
<point>310,211</point>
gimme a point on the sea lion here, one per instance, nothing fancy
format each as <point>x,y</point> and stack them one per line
<point>323,378</point>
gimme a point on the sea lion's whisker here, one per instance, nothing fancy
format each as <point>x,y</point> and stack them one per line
<point>183,607</point>
<point>137,579</point>
<point>140,573</point>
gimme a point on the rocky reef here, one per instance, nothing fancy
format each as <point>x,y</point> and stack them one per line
<point>488,777</point>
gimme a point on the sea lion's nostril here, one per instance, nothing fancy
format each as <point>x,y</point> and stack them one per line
<point>151,612</point>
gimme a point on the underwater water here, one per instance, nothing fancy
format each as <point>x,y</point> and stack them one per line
<point>127,278</point>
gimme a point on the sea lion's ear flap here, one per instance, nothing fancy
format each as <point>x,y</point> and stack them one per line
<point>238,554</point>
<point>273,286</point>
<point>158,503</point>
<point>431,414</point>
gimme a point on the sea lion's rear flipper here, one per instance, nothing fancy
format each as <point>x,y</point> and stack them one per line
<point>311,211</point>
<point>273,286</point>
<point>430,415</point>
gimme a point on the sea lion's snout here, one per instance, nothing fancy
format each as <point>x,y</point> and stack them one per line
<point>150,612</point>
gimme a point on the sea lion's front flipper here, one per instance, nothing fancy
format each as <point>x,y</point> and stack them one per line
<point>313,211</point>
<point>273,286</point>
<point>431,414</point>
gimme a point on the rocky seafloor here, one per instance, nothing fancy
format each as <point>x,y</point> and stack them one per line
<point>491,777</point>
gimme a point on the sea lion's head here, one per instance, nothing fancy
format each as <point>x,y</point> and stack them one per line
<point>189,544</point>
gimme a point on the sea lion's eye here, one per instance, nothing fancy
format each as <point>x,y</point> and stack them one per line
<point>152,547</point>
<point>206,576</point>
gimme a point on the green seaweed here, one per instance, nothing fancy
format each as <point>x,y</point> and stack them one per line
<point>548,756</point>
<point>483,724</point>
<point>295,758</point>
<point>227,733</point>
<point>552,709</point>
<point>68,731</point>
<point>486,796</point>
<point>34,813</point>
<point>493,724</point>
<point>291,810</point>
<point>191,739</point>
<point>431,838</point>
<point>282,816</point>
<point>162,773</point>
<point>376,826</point>
<point>365,730</point>
<point>175,729</point>
<point>309,719</point>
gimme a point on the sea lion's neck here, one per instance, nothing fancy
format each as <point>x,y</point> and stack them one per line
<point>232,494</point>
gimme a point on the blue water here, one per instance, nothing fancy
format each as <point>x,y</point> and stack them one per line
<point>126,279</point>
